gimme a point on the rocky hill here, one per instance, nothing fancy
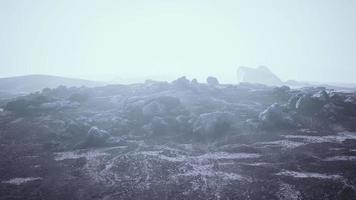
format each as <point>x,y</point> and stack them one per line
<point>179,140</point>
<point>33,83</point>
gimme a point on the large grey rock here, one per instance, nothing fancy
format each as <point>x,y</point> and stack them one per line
<point>276,117</point>
<point>261,75</point>
<point>213,124</point>
<point>96,137</point>
<point>161,106</point>
<point>213,81</point>
<point>350,105</point>
<point>311,103</point>
<point>157,126</point>
<point>182,82</point>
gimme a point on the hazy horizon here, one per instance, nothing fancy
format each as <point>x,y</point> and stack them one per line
<point>103,40</point>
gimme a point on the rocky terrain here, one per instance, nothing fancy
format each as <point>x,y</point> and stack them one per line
<point>179,140</point>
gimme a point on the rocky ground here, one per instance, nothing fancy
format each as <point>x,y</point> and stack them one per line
<point>179,140</point>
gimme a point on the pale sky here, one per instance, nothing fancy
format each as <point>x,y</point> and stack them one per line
<point>307,40</point>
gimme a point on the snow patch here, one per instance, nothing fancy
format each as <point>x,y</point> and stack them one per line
<point>20,181</point>
<point>308,175</point>
<point>339,138</point>
<point>76,155</point>
<point>287,144</point>
<point>341,158</point>
<point>207,171</point>
<point>224,155</point>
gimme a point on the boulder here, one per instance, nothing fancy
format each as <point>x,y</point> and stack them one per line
<point>96,137</point>
<point>276,117</point>
<point>350,106</point>
<point>292,102</point>
<point>282,93</point>
<point>213,124</point>
<point>157,126</point>
<point>162,106</point>
<point>195,81</point>
<point>312,103</point>
<point>181,82</point>
<point>212,81</point>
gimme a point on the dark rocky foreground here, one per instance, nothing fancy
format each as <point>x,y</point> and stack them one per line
<point>180,140</point>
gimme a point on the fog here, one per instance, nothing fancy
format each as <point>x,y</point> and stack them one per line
<point>103,40</point>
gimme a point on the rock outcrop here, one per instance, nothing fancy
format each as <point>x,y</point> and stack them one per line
<point>213,81</point>
<point>260,75</point>
<point>276,117</point>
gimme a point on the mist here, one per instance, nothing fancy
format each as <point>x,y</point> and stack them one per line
<point>185,99</point>
<point>134,40</point>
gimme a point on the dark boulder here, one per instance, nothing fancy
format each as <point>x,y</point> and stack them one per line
<point>350,106</point>
<point>292,102</point>
<point>162,106</point>
<point>213,124</point>
<point>157,126</point>
<point>96,138</point>
<point>181,82</point>
<point>212,81</point>
<point>310,104</point>
<point>282,93</point>
<point>195,81</point>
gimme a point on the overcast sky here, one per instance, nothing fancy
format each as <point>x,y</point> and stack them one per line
<point>309,40</point>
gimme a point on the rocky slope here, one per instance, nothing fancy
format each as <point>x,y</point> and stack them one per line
<point>179,140</point>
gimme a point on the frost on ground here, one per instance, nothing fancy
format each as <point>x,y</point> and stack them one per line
<point>287,144</point>
<point>288,192</point>
<point>339,138</point>
<point>180,140</point>
<point>19,181</point>
<point>60,156</point>
<point>308,175</point>
<point>340,158</point>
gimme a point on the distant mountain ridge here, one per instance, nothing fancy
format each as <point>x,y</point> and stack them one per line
<point>263,75</point>
<point>33,83</point>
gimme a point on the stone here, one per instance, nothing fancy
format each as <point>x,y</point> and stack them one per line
<point>213,124</point>
<point>276,117</point>
<point>161,106</point>
<point>212,81</point>
<point>312,103</point>
<point>96,137</point>
<point>181,82</point>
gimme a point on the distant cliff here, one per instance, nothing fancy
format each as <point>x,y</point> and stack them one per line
<point>261,75</point>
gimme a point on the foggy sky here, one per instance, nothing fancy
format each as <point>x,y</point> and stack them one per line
<point>308,40</point>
